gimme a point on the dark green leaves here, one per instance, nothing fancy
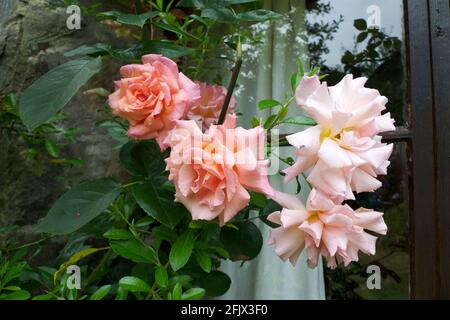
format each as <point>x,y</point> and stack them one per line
<point>361,37</point>
<point>132,249</point>
<point>142,158</point>
<point>166,48</point>
<point>95,49</point>
<point>79,205</point>
<point>158,203</point>
<point>133,52</point>
<point>181,250</point>
<point>244,243</point>
<point>50,93</point>
<point>215,283</point>
<point>138,20</point>
<point>145,160</point>
<point>360,24</point>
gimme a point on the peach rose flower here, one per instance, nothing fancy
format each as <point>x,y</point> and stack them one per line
<point>152,96</point>
<point>207,110</point>
<point>344,146</point>
<point>337,232</point>
<point>211,171</point>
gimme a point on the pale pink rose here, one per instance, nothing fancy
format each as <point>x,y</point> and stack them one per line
<point>207,110</point>
<point>345,141</point>
<point>325,228</point>
<point>152,96</point>
<point>211,171</point>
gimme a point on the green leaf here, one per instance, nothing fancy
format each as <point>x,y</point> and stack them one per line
<point>161,277</point>
<point>177,292</point>
<point>203,260</point>
<point>255,122</point>
<point>295,80</point>
<point>133,250</point>
<point>164,233</point>
<point>121,294</point>
<point>143,222</point>
<point>270,121</point>
<point>159,203</point>
<point>361,37</point>
<point>244,243</point>
<point>177,30</point>
<point>299,120</point>
<point>138,20</point>
<point>181,250</point>
<point>101,292</point>
<point>117,234</point>
<point>50,93</point>
<point>52,148</point>
<point>166,48</point>
<point>142,158</point>
<point>15,295</point>
<point>258,15</point>
<point>270,207</point>
<point>95,49</point>
<point>215,283</point>
<point>79,205</point>
<point>266,104</point>
<point>133,284</point>
<point>258,199</point>
<point>314,71</point>
<point>360,24</point>
<point>219,14</point>
<point>194,294</point>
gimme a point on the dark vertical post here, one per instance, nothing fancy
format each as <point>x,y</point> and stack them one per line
<point>424,268</point>
<point>440,48</point>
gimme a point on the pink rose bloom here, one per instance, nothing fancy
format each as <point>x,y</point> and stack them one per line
<point>207,110</point>
<point>152,96</point>
<point>337,232</point>
<point>211,171</point>
<point>345,142</point>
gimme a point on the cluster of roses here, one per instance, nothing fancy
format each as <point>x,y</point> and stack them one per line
<point>212,166</point>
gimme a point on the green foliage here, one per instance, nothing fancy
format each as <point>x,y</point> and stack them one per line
<point>138,20</point>
<point>45,144</point>
<point>181,250</point>
<point>79,205</point>
<point>244,242</point>
<point>146,245</point>
<point>10,271</point>
<point>49,94</point>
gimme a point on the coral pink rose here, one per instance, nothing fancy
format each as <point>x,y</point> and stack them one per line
<point>345,141</point>
<point>152,96</point>
<point>211,171</point>
<point>337,232</point>
<point>207,110</point>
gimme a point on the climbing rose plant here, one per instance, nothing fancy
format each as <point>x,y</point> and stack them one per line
<point>194,178</point>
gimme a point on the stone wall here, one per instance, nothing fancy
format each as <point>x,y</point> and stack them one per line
<point>33,37</point>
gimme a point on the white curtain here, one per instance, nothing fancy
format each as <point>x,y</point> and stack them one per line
<point>266,75</point>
